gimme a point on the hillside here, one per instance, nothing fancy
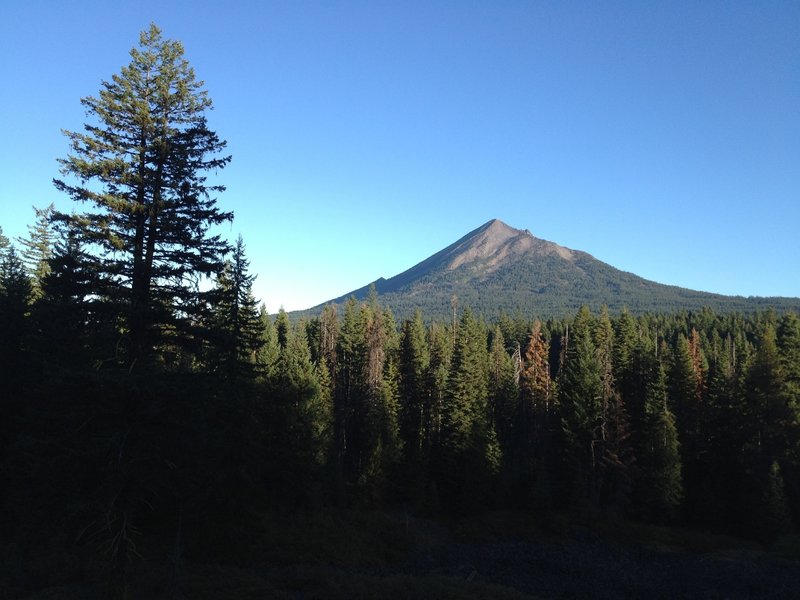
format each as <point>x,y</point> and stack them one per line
<point>499,269</point>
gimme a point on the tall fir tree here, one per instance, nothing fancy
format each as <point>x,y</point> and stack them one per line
<point>468,455</point>
<point>299,422</point>
<point>237,324</point>
<point>580,399</point>
<point>282,327</point>
<point>683,387</point>
<point>142,163</point>
<point>377,420</point>
<point>415,405</point>
<point>788,339</point>
<point>268,348</point>
<point>367,441</point>
<point>788,335</point>
<point>686,394</point>
<point>71,324</point>
<point>347,389</point>
<point>774,431</point>
<point>719,503</point>
<point>535,420</point>
<point>774,517</point>
<point>441,352</point>
<point>604,344</point>
<point>3,243</point>
<point>614,470</point>
<point>625,338</point>
<point>619,461</point>
<point>37,248</point>
<point>633,381</point>
<point>328,336</point>
<point>503,390</point>
<point>659,489</point>
<point>15,297</point>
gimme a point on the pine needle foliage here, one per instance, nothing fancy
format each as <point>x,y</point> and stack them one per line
<point>142,164</point>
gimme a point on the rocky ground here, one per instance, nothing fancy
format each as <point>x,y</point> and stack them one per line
<point>588,567</point>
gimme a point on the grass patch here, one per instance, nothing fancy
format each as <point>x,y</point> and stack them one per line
<point>333,537</point>
<point>667,538</point>
<point>498,525</point>
<point>787,546</point>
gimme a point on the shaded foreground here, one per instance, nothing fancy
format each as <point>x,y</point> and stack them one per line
<point>351,554</point>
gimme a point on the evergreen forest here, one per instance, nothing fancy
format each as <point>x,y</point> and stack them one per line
<point>153,411</point>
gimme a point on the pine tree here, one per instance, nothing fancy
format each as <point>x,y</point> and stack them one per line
<point>535,378</point>
<point>789,351</point>
<point>774,516</point>
<point>38,247</point>
<point>367,441</point>
<point>625,338</point>
<point>15,296</point>
<point>580,397</point>
<point>683,387</point>
<point>3,243</point>
<point>686,394</point>
<point>503,391</point>
<point>143,163</point>
<point>282,327</point>
<point>441,350</point>
<point>468,454</point>
<point>659,491</point>
<point>414,361</point>
<point>726,427</point>
<point>300,420</point>
<point>788,337</point>
<point>618,460</point>
<point>378,418</point>
<point>535,419</point>
<point>347,389</point>
<point>768,404</point>
<point>268,349</point>
<point>237,324</point>
<point>604,343</point>
<point>636,378</point>
<point>72,327</point>
<point>328,336</point>
<point>614,478</point>
<point>699,367</point>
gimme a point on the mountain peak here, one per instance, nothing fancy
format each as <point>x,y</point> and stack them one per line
<point>499,269</point>
<point>495,242</point>
<point>498,227</point>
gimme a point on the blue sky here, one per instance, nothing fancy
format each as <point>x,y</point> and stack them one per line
<point>663,138</point>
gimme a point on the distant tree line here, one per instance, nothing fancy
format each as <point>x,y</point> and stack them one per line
<point>146,396</point>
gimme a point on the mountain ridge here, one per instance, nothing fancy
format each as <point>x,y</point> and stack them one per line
<point>498,269</point>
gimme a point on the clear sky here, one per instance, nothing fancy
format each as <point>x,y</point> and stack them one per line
<point>663,138</point>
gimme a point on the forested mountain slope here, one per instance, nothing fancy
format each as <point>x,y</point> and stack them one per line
<point>498,269</point>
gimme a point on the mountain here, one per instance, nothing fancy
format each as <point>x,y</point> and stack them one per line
<point>497,269</point>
